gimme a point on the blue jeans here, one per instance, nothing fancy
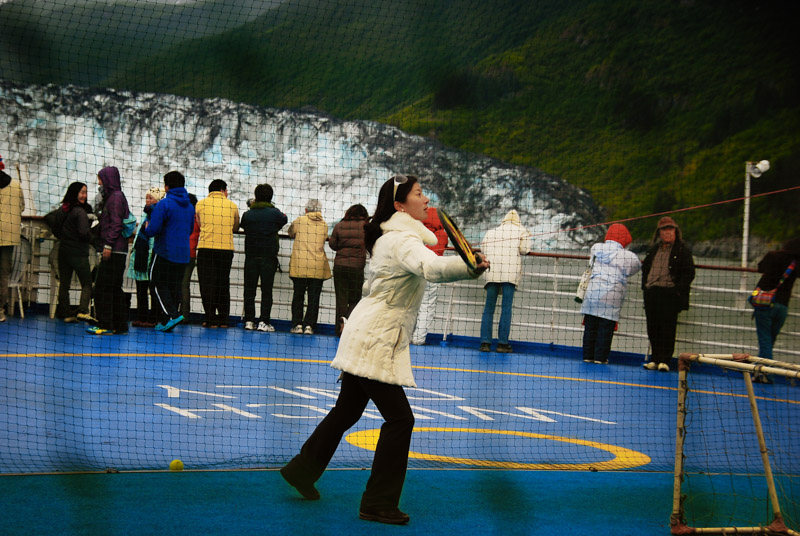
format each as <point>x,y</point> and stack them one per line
<point>492,290</point>
<point>768,324</point>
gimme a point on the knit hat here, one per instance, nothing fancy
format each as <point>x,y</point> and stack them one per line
<point>619,234</point>
<point>156,193</point>
<point>666,221</point>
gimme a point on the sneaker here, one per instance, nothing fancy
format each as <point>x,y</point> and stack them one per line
<point>298,329</point>
<point>171,323</point>
<point>418,343</point>
<point>504,349</point>
<point>486,347</point>
<point>86,317</point>
<point>587,360</point>
<point>308,331</point>
<point>650,366</point>
<point>94,330</point>
<point>263,326</point>
<point>70,320</point>
<point>663,367</point>
<point>249,326</point>
<point>598,362</point>
<point>2,315</point>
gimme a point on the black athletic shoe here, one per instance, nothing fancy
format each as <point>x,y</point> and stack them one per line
<point>391,517</point>
<point>308,491</point>
<point>486,347</point>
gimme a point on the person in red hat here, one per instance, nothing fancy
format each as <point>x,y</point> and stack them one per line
<point>667,275</point>
<point>612,265</point>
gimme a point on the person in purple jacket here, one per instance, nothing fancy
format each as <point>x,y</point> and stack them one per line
<point>111,303</point>
<point>170,224</point>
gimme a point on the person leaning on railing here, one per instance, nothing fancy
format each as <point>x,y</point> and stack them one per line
<point>667,274</point>
<point>612,265</point>
<point>769,320</point>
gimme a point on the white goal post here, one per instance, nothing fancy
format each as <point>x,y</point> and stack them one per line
<point>748,365</point>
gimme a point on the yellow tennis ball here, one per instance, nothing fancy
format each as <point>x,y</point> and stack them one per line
<point>176,465</point>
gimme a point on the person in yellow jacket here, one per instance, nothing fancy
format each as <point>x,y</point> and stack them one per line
<point>12,204</point>
<point>308,266</point>
<point>217,217</point>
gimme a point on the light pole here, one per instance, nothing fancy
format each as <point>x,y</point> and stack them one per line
<point>751,169</point>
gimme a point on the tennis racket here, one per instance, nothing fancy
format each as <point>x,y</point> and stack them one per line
<point>457,239</point>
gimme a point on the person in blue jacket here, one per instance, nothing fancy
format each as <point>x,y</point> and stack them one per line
<point>170,224</point>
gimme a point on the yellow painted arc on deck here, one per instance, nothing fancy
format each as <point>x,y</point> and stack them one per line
<point>623,458</point>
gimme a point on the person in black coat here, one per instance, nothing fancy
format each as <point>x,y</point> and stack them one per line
<point>73,253</point>
<point>667,274</point>
<point>260,225</point>
<point>769,320</point>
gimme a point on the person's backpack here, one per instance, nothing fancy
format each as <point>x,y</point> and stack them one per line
<point>55,221</point>
<point>129,225</point>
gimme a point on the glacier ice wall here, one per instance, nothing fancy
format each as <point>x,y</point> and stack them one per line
<point>66,133</point>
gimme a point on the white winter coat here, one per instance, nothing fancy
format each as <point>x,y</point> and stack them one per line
<point>613,265</point>
<point>503,246</point>
<point>374,342</point>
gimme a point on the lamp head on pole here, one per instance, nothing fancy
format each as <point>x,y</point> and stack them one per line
<point>755,169</point>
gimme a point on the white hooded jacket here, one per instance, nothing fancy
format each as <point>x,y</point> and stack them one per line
<point>503,246</point>
<point>375,340</point>
<point>613,265</point>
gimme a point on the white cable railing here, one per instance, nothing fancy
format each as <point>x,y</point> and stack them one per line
<point>544,308</point>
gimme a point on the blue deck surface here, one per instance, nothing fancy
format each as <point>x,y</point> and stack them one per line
<point>235,399</point>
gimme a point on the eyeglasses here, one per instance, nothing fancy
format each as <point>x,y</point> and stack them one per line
<point>398,180</point>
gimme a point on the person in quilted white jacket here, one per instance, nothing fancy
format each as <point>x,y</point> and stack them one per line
<point>373,352</point>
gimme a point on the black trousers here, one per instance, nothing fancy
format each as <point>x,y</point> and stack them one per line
<point>146,302</point>
<point>110,301</point>
<point>186,293</point>
<point>166,278</point>
<point>347,283</point>
<point>255,268</point>
<point>661,306</point>
<point>70,262</point>
<point>597,336</point>
<point>214,277</point>
<point>300,286</point>
<point>385,484</point>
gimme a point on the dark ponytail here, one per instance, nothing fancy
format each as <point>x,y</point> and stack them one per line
<point>385,208</point>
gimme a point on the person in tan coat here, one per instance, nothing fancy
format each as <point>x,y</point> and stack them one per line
<point>12,203</point>
<point>308,266</point>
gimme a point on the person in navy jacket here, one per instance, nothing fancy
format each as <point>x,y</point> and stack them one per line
<point>170,224</point>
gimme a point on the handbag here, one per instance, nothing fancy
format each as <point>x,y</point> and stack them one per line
<point>763,299</point>
<point>583,284</point>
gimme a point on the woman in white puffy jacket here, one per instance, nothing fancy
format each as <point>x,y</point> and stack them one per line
<point>373,352</point>
<point>504,245</point>
<point>612,266</point>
